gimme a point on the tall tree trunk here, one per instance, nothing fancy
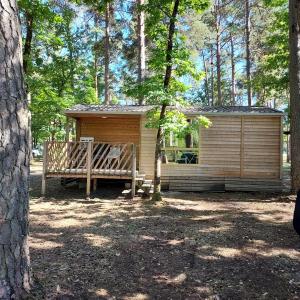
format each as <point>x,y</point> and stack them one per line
<point>218,52</point>
<point>248,53</point>
<point>212,78</point>
<point>141,48</point>
<point>107,95</point>
<point>28,41</point>
<point>96,58</point>
<point>294,68</point>
<point>15,277</point>
<point>288,147</point>
<point>233,90</point>
<point>219,77</point>
<point>206,79</point>
<point>168,73</point>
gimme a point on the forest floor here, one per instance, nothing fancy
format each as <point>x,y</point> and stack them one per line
<point>190,246</point>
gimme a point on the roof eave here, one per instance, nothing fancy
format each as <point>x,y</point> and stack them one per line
<point>76,112</point>
<point>235,113</point>
<point>79,113</point>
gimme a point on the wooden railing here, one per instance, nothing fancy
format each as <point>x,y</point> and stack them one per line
<point>89,160</point>
<point>94,157</point>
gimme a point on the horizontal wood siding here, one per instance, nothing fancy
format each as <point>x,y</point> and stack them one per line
<point>111,129</point>
<point>147,147</point>
<point>240,149</point>
<point>220,147</point>
<point>262,147</point>
<point>234,148</point>
<point>123,129</point>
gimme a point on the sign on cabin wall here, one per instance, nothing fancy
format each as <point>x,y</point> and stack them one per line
<point>86,139</point>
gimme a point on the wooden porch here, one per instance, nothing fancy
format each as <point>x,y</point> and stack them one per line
<point>90,160</point>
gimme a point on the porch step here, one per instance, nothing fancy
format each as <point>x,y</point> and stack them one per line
<point>146,185</point>
<point>126,192</point>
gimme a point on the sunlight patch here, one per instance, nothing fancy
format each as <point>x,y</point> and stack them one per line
<point>137,296</point>
<point>97,240</point>
<point>38,243</point>
<point>102,293</point>
<point>228,252</point>
<point>69,222</point>
<point>175,242</point>
<point>147,238</point>
<point>177,280</point>
<point>262,248</point>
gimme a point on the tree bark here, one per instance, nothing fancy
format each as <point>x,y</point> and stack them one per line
<point>15,275</point>
<point>218,52</point>
<point>28,41</point>
<point>288,147</point>
<point>294,70</point>
<point>168,73</point>
<point>141,49</point>
<point>233,90</point>
<point>248,53</point>
<point>96,21</point>
<point>206,79</point>
<point>212,78</point>
<point>107,95</point>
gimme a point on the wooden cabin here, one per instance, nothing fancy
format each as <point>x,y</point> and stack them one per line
<point>241,151</point>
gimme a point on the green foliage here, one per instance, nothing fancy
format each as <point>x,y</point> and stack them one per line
<point>271,78</point>
<point>59,73</point>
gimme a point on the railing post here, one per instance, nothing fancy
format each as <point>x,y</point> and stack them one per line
<point>45,162</point>
<point>88,169</point>
<point>133,170</point>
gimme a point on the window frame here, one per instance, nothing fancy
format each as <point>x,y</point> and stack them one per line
<point>176,148</point>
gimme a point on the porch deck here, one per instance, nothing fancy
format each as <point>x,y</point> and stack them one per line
<point>90,160</point>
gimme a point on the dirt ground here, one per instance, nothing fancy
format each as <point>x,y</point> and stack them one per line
<point>191,246</point>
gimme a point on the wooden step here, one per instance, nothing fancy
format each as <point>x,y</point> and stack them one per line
<point>146,185</point>
<point>126,192</point>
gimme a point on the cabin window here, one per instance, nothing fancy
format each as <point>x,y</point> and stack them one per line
<point>181,149</point>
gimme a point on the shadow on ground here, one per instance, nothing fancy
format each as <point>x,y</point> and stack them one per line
<point>192,246</point>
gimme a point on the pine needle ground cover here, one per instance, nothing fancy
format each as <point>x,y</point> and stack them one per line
<point>191,246</point>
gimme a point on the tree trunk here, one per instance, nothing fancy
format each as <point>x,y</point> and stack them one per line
<point>141,48</point>
<point>15,277</point>
<point>288,152</point>
<point>168,73</point>
<point>218,53</point>
<point>218,56</point>
<point>206,79</point>
<point>96,21</point>
<point>248,53</point>
<point>107,99</point>
<point>233,90</point>
<point>294,68</point>
<point>212,79</point>
<point>28,41</point>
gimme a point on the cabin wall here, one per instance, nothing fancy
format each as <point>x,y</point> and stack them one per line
<point>147,149</point>
<point>236,153</point>
<point>110,129</point>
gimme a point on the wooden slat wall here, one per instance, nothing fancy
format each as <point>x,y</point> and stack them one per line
<point>111,129</point>
<point>147,149</point>
<point>220,147</point>
<point>123,129</point>
<point>262,146</point>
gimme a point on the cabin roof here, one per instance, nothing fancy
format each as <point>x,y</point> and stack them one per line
<point>79,109</point>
